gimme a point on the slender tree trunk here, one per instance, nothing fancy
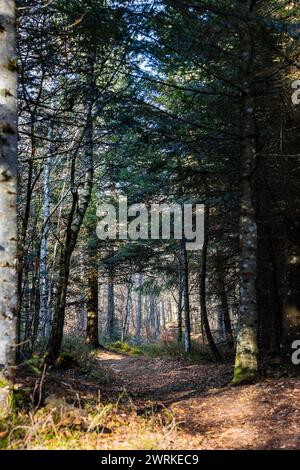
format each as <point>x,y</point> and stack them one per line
<point>157,318</point>
<point>127,316</point>
<point>246,365</point>
<point>110,324</point>
<point>204,316</point>
<point>186,296</point>
<point>152,316</point>
<point>163,314</point>
<point>45,316</point>
<point>179,311</point>
<point>224,302</point>
<point>76,216</point>
<point>8,194</point>
<point>139,311</point>
<point>92,332</point>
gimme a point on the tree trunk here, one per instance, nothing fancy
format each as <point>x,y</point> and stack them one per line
<point>110,324</point>
<point>8,194</point>
<point>246,364</point>
<point>152,316</point>
<point>179,306</point>
<point>126,322</point>
<point>186,296</point>
<point>224,302</point>
<point>92,332</point>
<point>204,316</point>
<point>291,304</point>
<point>45,316</point>
<point>76,216</point>
<point>139,312</point>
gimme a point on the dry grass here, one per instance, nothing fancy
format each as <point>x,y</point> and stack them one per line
<point>92,425</point>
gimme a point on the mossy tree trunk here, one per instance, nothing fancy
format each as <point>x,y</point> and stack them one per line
<point>246,365</point>
<point>8,192</point>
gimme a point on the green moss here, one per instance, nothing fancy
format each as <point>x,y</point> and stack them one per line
<point>125,348</point>
<point>21,399</point>
<point>3,382</point>
<point>244,376</point>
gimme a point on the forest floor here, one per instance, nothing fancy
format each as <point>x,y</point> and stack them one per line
<point>156,403</point>
<point>210,413</point>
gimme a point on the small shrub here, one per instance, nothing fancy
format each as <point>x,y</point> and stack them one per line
<point>86,360</point>
<point>66,360</point>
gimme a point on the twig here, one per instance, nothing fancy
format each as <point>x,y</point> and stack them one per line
<point>40,386</point>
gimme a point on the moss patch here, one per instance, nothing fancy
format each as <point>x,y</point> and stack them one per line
<point>125,348</point>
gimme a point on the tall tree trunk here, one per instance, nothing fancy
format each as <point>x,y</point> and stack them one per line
<point>186,296</point>
<point>204,316</point>
<point>224,302</point>
<point>110,323</point>
<point>76,216</point>
<point>163,314</point>
<point>139,311</point>
<point>179,306</point>
<point>8,194</point>
<point>152,315</point>
<point>246,364</point>
<point>45,316</point>
<point>92,331</point>
<point>291,303</point>
<point>126,321</point>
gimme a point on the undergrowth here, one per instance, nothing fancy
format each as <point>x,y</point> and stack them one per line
<point>125,348</point>
<point>71,411</point>
<point>200,353</point>
<point>90,424</point>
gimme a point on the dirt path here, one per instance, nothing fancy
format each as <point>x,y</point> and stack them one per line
<point>211,413</point>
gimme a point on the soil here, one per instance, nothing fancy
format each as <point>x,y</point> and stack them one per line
<point>210,413</point>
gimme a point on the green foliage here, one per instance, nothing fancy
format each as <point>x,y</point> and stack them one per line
<point>3,382</point>
<point>125,348</point>
<point>77,351</point>
<point>34,364</point>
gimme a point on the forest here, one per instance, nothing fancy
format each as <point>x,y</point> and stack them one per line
<point>149,224</point>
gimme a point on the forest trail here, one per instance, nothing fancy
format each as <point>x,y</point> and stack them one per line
<point>211,414</point>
